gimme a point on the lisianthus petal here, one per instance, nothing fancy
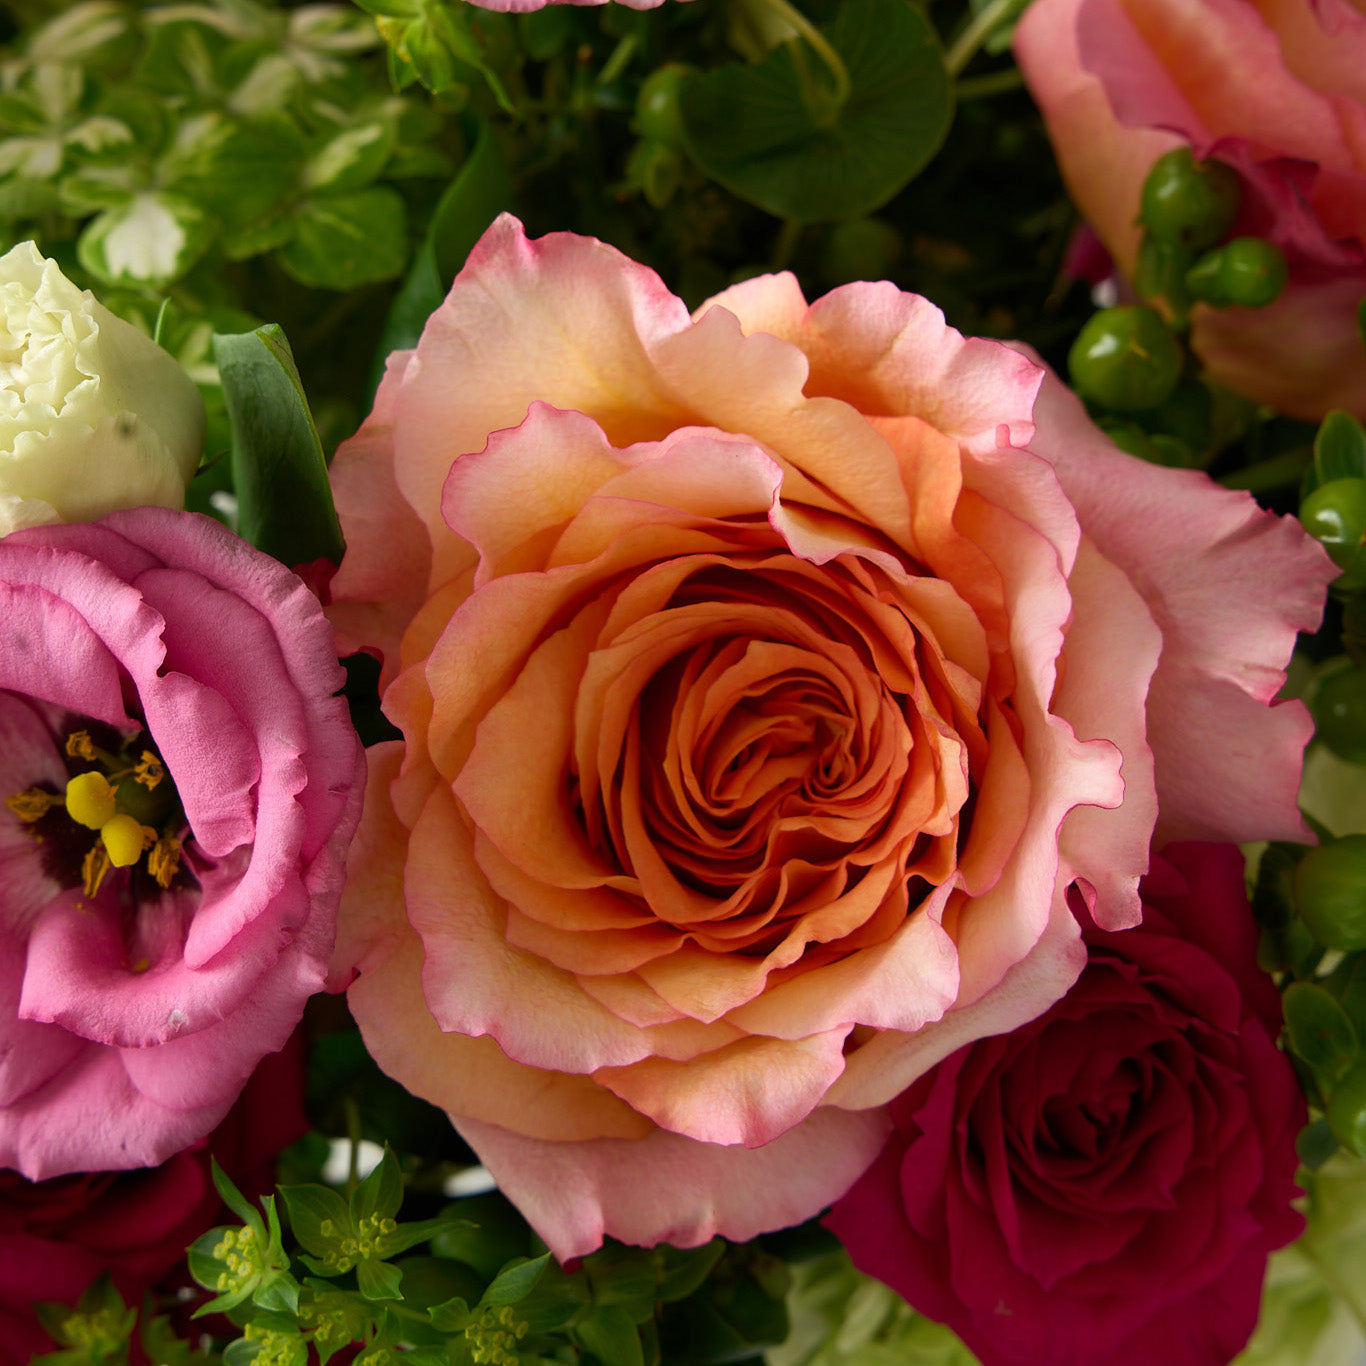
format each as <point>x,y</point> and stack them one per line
<point>667,1188</point>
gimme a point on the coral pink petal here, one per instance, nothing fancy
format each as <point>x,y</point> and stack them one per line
<point>563,320</point>
<point>1103,162</point>
<point>667,1188</point>
<point>383,575</point>
<point>1229,586</point>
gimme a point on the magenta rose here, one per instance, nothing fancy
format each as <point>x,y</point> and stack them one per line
<point>1275,88</point>
<point>57,1236</point>
<point>1103,1186</point>
<point>181,785</point>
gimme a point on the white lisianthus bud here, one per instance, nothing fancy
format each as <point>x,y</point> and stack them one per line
<point>94,415</point>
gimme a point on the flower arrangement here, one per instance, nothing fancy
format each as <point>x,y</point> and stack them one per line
<point>682,683</point>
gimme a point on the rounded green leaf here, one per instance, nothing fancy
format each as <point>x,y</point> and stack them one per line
<point>771,134</point>
<point>343,241</point>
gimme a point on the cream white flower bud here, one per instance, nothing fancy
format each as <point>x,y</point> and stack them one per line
<point>94,415</point>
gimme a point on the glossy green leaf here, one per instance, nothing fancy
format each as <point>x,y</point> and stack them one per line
<point>1320,1032</point>
<point>381,1193</point>
<point>1339,449</point>
<point>318,1216</point>
<point>284,502</point>
<point>515,1282</point>
<point>768,132</point>
<point>343,241</point>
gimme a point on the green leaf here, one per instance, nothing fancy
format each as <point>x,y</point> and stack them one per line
<point>236,1201</point>
<point>1321,1034</point>
<point>766,133</point>
<point>284,501</point>
<point>318,1216</point>
<point>381,1193</point>
<point>609,1332</point>
<point>237,170</point>
<point>1316,1143</point>
<point>352,158</point>
<point>480,191</point>
<point>1339,448</point>
<point>152,239</point>
<point>451,1316</point>
<point>279,1293</point>
<point>515,1282</point>
<point>685,1269</point>
<point>556,1301</point>
<point>378,1280</point>
<point>345,240</point>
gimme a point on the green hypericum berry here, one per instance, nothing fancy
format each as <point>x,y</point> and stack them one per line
<point>1189,202</point>
<point>1335,513</point>
<point>1337,700</point>
<point>658,117</point>
<point>1125,358</point>
<point>1248,271</point>
<point>1330,892</point>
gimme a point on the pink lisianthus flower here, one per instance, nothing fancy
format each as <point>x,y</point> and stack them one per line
<point>181,785</point>
<point>1103,1187</point>
<point>1275,88</point>
<point>768,679</point>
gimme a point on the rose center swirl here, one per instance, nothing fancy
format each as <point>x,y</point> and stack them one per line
<point>788,729</point>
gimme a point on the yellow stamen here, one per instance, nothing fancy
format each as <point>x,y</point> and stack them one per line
<point>148,770</point>
<point>32,805</point>
<point>164,861</point>
<point>93,868</point>
<point>90,800</point>
<point>125,839</point>
<point>79,745</point>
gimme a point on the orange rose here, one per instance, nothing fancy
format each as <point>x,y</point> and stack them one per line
<point>767,678</point>
<point>1275,88</point>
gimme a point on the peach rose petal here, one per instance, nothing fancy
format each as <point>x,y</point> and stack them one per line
<point>382,579</point>
<point>748,1092</point>
<point>667,1188</point>
<point>473,976</point>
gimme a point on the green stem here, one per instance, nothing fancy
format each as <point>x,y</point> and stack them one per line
<point>997,83</point>
<point>1279,471</point>
<point>818,43</point>
<point>979,28</point>
<point>353,1134</point>
<point>617,62</point>
<point>786,245</point>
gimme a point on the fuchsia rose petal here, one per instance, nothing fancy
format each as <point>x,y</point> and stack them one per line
<point>1106,1183</point>
<point>137,1013</point>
